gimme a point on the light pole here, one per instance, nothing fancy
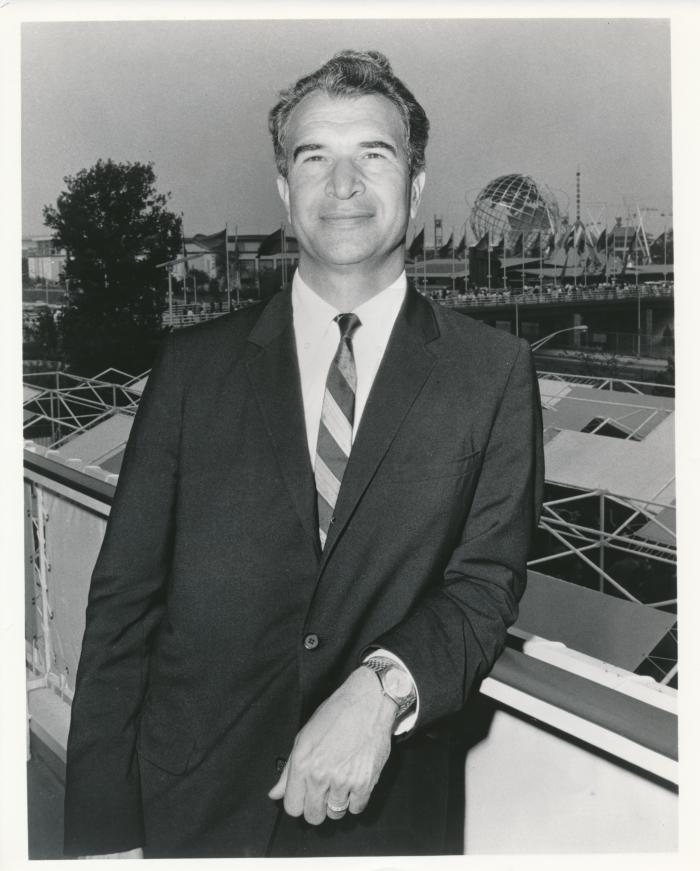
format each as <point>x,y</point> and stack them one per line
<point>581,328</point>
<point>168,266</point>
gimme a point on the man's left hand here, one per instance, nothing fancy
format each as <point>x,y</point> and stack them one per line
<point>339,754</point>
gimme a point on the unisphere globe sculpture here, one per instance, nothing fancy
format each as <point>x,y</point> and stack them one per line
<point>512,205</point>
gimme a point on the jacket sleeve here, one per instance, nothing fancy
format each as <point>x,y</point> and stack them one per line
<point>102,802</point>
<point>457,630</point>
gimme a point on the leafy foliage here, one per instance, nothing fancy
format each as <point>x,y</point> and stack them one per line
<point>115,228</point>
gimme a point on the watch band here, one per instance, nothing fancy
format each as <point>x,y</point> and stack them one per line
<point>380,665</point>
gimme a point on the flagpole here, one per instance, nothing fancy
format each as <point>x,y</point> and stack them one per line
<point>504,262</point>
<point>415,268</point>
<point>540,245</point>
<point>238,275</point>
<point>635,242</point>
<point>284,270</point>
<point>636,283</point>
<point>488,263</point>
<point>466,256</point>
<point>228,271</point>
<point>184,262</point>
<point>665,254</point>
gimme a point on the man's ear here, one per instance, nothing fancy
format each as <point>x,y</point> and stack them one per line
<point>416,191</point>
<point>283,190</point>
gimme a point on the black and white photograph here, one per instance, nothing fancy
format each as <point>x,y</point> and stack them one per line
<point>350,460</point>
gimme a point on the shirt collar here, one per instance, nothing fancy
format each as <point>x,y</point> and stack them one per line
<point>313,315</point>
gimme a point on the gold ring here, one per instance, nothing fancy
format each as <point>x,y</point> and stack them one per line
<point>338,809</point>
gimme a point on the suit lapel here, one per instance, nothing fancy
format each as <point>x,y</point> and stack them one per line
<point>404,370</point>
<point>273,371</point>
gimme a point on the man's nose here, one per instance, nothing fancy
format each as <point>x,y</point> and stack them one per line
<point>345,180</point>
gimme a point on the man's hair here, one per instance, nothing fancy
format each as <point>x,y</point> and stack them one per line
<point>354,74</point>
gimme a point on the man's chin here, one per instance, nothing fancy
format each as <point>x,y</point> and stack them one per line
<point>353,253</point>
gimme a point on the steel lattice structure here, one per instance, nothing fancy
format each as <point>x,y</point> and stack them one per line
<point>512,205</point>
<point>59,405</point>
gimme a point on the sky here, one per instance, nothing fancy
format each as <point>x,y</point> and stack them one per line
<point>533,96</point>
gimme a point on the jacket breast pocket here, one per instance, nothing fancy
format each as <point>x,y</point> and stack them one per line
<point>164,743</point>
<point>432,468</point>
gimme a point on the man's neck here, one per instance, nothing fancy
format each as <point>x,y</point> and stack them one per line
<point>346,288</point>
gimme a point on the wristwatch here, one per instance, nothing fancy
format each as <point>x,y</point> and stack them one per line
<point>396,684</point>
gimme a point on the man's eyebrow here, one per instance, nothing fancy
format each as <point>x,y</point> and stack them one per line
<point>379,143</point>
<point>373,143</point>
<point>301,149</point>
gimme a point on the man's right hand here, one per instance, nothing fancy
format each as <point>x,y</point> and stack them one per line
<point>129,854</point>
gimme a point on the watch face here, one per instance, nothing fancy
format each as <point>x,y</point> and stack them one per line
<point>397,682</point>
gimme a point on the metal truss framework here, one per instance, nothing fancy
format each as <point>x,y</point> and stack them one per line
<point>41,659</point>
<point>595,546</point>
<point>62,405</point>
<point>69,404</point>
<point>625,526</point>
<point>619,385</point>
<point>629,421</point>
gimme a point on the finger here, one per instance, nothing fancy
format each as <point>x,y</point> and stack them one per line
<point>315,803</point>
<point>337,804</point>
<point>337,797</point>
<point>278,789</point>
<point>294,793</point>
<point>358,802</point>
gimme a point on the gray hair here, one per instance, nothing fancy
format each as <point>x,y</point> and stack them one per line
<point>354,74</point>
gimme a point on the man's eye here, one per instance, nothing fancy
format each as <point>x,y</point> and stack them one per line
<point>313,158</point>
<point>374,154</point>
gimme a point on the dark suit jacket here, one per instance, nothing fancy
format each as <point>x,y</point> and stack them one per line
<point>194,677</point>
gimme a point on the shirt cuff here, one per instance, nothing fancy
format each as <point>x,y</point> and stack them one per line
<point>405,724</point>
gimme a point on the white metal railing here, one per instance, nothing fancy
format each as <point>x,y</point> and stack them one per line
<point>496,297</point>
<point>187,315</point>
<point>189,320</point>
<point>621,385</point>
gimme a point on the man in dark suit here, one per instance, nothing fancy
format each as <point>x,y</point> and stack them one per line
<point>319,534</point>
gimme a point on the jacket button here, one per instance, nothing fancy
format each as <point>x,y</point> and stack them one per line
<point>280,762</point>
<point>311,642</point>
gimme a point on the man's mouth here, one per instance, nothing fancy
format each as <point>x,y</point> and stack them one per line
<point>345,217</point>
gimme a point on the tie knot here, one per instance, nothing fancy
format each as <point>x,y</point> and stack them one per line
<point>347,323</point>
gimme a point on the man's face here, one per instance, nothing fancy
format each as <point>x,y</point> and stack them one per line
<point>348,191</point>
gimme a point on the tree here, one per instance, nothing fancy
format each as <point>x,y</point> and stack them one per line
<point>41,337</point>
<point>48,334</point>
<point>115,228</point>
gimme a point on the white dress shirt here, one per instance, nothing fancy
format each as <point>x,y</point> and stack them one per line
<point>317,337</point>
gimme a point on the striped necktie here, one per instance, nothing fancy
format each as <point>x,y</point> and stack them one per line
<point>335,429</point>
